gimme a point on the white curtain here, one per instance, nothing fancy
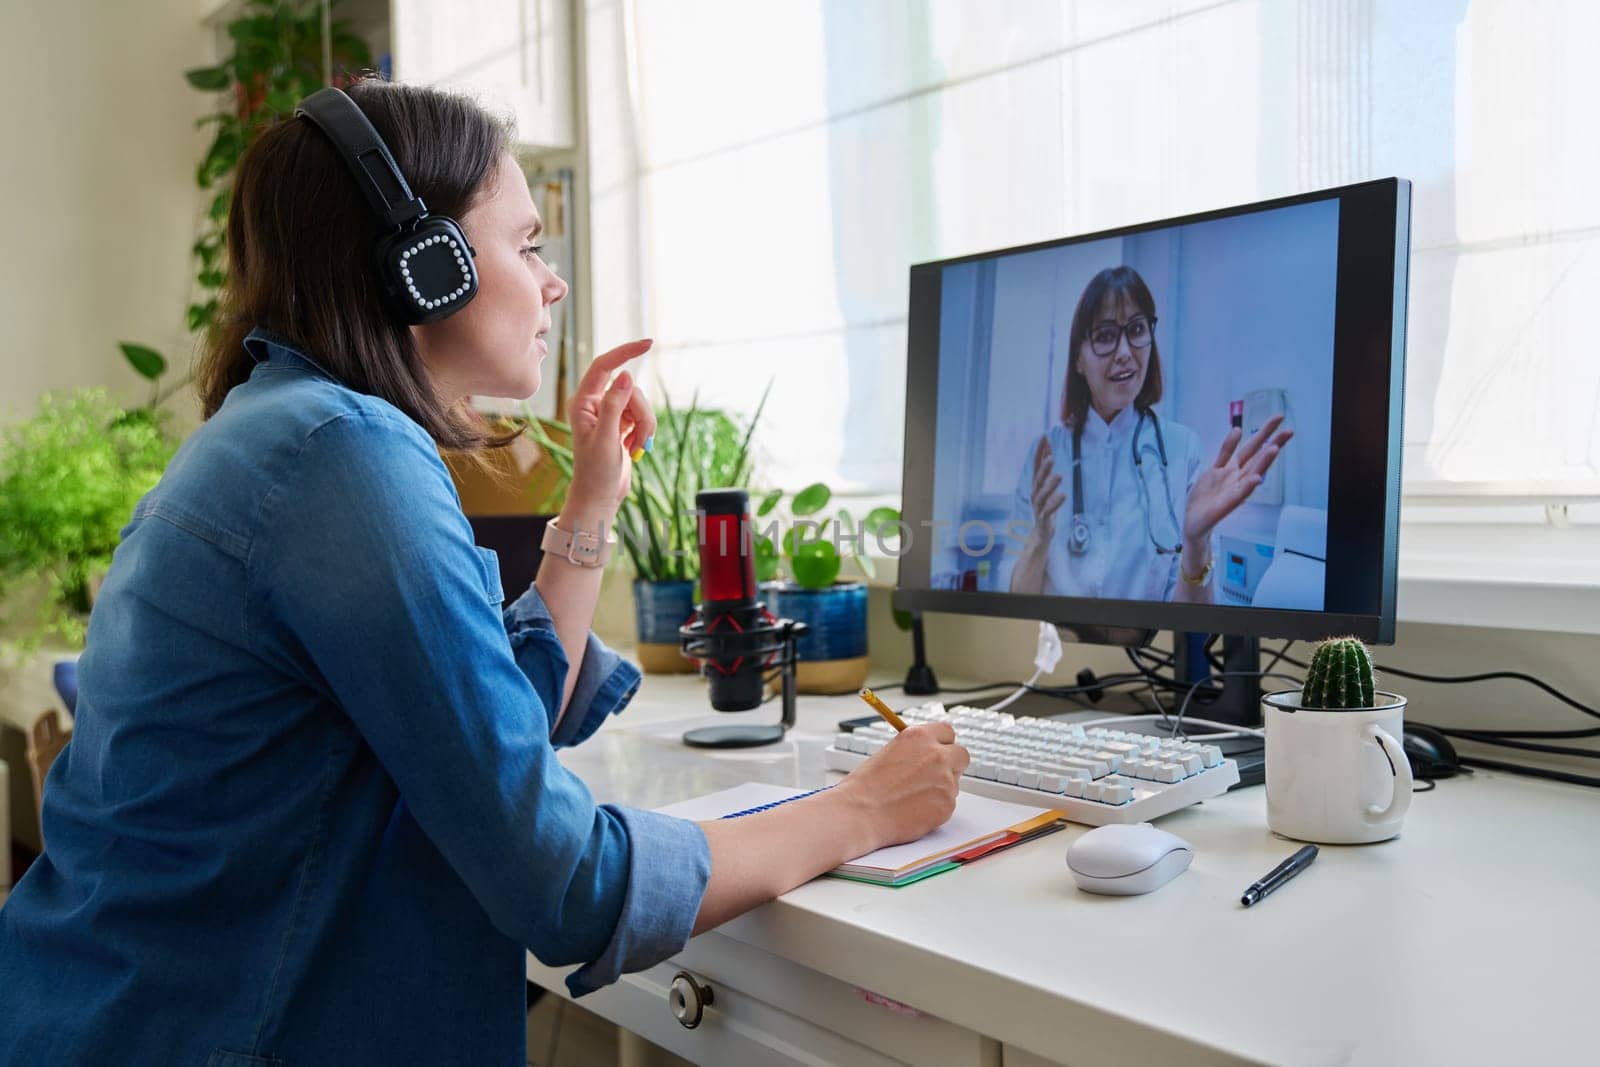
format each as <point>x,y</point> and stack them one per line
<point>765,171</point>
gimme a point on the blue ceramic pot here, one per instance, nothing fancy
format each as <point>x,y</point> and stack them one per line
<point>837,617</point>
<point>659,608</point>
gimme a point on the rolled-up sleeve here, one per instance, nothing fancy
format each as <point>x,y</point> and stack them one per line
<point>606,681</point>
<point>365,578</point>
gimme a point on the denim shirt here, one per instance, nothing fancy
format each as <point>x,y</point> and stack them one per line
<point>311,811</point>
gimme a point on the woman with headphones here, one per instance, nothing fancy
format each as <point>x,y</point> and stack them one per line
<point>311,811</point>
<point>1143,501</point>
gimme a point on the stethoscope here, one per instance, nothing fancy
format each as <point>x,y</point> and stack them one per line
<point>1078,534</point>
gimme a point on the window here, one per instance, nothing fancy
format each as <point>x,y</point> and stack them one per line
<point>764,175</point>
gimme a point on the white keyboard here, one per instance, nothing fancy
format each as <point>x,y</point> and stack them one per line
<point>1095,775</point>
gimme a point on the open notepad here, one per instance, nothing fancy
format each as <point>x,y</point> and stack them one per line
<point>979,825</point>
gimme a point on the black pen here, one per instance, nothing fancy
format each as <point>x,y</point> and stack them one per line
<point>1279,875</point>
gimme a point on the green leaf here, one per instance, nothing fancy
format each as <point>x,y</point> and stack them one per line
<point>768,502</point>
<point>868,567</point>
<point>201,315</point>
<point>766,559</point>
<point>261,30</point>
<point>812,499</point>
<point>147,361</point>
<point>815,564</point>
<point>209,79</point>
<point>881,520</point>
<point>218,211</point>
<point>903,619</point>
<point>212,279</point>
<point>282,101</point>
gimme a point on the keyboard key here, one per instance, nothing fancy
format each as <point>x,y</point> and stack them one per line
<point>1212,755</point>
<point>1093,791</point>
<point>1008,774</point>
<point>1053,783</point>
<point>1075,787</point>
<point>1116,794</point>
<point>1028,778</point>
<point>1191,764</point>
<point>1169,772</point>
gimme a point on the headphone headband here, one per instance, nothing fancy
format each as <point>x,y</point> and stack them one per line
<point>425,262</point>
<point>363,151</point>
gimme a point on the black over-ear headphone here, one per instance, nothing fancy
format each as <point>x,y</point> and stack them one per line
<point>425,263</point>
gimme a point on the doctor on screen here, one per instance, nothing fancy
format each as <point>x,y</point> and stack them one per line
<point>1115,501</point>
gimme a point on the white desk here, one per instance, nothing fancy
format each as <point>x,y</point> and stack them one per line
<point>1473,938</point>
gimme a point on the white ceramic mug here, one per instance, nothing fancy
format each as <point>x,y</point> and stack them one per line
<point>1335,777</point>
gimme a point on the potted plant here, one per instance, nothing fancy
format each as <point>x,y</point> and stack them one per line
<point>833,655</point>
<point>69,480</point>
<point>695,449</point>
<point>1336,770</point>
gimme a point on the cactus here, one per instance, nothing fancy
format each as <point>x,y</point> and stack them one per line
<point>1340,676</point>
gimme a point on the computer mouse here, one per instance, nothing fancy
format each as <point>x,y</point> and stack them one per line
<point>1127,860</point>
<point>1430,752</point>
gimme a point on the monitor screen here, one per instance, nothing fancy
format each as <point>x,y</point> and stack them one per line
<point>1192,424</point>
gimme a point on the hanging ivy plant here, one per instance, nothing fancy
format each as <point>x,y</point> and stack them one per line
<point>277,59</point>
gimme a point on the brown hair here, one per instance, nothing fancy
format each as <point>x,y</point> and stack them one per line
<point>300,243</point>
<point>1113,282</point>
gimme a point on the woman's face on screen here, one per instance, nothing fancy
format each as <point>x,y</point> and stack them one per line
<point>1113,358</point>
<point>495,346</point>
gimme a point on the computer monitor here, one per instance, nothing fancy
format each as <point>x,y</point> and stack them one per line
<point>1126,358</point>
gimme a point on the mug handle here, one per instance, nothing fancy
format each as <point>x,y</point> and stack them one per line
<point>1402,776</point>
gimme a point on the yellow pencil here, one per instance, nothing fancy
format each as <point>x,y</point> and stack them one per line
<point>882,709</point>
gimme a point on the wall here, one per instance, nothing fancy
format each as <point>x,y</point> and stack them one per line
<point>97,154</point>
<point>97,175</point>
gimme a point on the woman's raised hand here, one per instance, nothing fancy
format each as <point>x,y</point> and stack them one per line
<point>1229,482</point>
<point>610,420</point>
<point>1046,501</point>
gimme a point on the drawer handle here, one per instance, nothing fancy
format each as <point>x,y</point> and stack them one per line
<point>688,999</point>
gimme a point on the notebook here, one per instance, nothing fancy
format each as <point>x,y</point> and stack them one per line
<point>979,826</point>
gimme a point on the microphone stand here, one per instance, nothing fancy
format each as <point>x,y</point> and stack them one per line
<point>709,649</point>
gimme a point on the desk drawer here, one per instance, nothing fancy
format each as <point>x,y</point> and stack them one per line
<point>767,1010</point>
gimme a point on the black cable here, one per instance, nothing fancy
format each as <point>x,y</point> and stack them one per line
<point>1532,772</point>
<point>1282,652</point>
<point>1490,737</point>
<point>1489,676</point>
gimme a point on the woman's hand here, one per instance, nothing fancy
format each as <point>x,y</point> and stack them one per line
<point>908,788</point>
<point>610,420</point>
<point>1046,501</point>
<point>1226,484</point>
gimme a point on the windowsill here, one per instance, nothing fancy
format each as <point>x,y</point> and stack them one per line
<point>1513,577</point>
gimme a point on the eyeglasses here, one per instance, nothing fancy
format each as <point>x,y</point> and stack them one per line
<point>1104,336</point>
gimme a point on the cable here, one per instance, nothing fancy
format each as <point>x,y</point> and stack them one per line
<point>1532,772</point>
<point>1489,676</point>
<point>1282,652</point>
<point>1177,726</point>
<point>1491,738</point>
<point>1233,729</point>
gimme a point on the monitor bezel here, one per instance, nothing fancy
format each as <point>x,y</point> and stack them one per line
<point>1364,475</point>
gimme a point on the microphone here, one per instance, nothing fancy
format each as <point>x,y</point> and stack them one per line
<point>736,640</point>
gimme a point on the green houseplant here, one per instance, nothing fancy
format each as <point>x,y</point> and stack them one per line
<point>278,57</point>
<point>833,655</point>
<point>1340,676</point>
<point>695,448</point>
<point>69,479</point>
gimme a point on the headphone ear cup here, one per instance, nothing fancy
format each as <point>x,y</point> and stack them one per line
<point>428,272</point>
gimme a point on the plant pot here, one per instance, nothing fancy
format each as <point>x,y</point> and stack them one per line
<point>832,658</point>
<point>659,608</point>
<point>1335,776</point>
